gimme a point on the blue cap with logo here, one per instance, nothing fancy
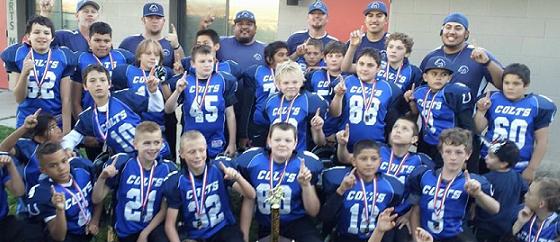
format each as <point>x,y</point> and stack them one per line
<point>153,9</point>
<point>244,15</point>
<point>457,18</point>
<point>318,5</point>
<point>83,3</point>
<point>376,6</point>
<point>438,62</point>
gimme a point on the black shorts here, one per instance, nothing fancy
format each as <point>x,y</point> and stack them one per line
<point>11,229</point>
<point>302,229</point>
<point>75,238</point>
<point>157,235</point>
<point>229,233</point>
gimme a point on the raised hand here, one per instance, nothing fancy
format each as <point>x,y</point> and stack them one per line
<point>172,37</point>
<point>340,88</point>
<point>423,235</point>
<point>348,182</point>
<point>109,171</point>
<point>479,55</point>
<point>386,221</point>
<point>472,186</point>
<point>177,66</point>
<point>304,175</point>
<point>5,160</point>
<point>342,136</point>
<point>356,36</point>
<point>484,103</point>
<point>229,173</point>
<point>408,97</point>
<point>206,21</point>
<point>317,121</point>
<point>28,64</point>
<point>58,199</point>
<point>31,120</point>
<point>152,81</point>
<point>302,48</point>
<point>181,83</point>
<point>46,7</point>
<point>524,215</point>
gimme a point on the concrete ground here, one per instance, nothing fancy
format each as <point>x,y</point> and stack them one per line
<point>7,109</point>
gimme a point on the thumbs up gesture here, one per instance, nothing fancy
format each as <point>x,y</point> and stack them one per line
<point>317,121</point>
<point>304,175</point>
<point>408,97</point>
<point>229,173</point>
<point>58,199</point>
<point>484,103</point>
<point>472,186</point>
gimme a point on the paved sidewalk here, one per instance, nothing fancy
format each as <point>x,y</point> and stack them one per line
<point>7,108</point>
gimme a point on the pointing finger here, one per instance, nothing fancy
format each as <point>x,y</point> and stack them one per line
<point>173,29</point>
<point>353,171</point>
<point>152,71</point>
<point>52,190</point>
<point>413,87</point>
<point>318,112</point>
<point>361,29</point>
<point>467,175</point>
<point>177,57</point>
<point>347,128</point>
<point>301,163</point>
<point>37,112</point>
<point>488,94</point>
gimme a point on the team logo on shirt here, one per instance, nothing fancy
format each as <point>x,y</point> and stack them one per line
<point>257,56</point>
<point>463,69</point>
<point>166,52</point>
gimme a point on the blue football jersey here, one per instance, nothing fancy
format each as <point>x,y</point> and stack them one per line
<point>130,43</point>
<point>441,215</point>
<point>440,110</point>
<point>138,192</point>
<point>368,122</point>
<point>215,212</point>
<point>43,88</point>
<point>205,109</point>
<point>517,121</point>
<point>303,64</point>
<point>254,164</point>
<point>261,80</point>
<point>79,207</point>
<point>549,230</point>
<point>245,55</point>
<point>403,77</point>
<point>4,178</point>
<point>300,37</point>
<point>298,112</point>
<point>401,167</point>
<point>228,66</point>
<point>366,43</point>
<point>322,84</point>
<point>465,69</point>
<point>72,39</point>
<point>118,127</point>
<point>85,59</point>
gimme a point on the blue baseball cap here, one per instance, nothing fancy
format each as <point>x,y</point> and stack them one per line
<point>318,5</point>
<point>457,18</point>
<point>83,3</point>
<point>153,9</point>
<point>376,6</point>
<point>438,62</point>
<point>244,15</point>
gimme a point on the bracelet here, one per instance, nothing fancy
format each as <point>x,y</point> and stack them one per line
<point>488,62</point>
<point>176,48</point>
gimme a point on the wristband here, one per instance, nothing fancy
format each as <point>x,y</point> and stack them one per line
<point>488,62</point>
<point>176,48</point>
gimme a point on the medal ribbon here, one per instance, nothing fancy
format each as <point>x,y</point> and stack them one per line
<point>396,76</point>
<point>35,73</point>
<point>368,101</point>
<point>107,122</point>
<point>80,199</point>
<point>365,198</point>
<point>289,111</point>
<point>429,112</point>
<point>143,198</point>
<point>437,209</point>
<point>112,64</point>
<point>538,231</point>
<point>272,187</point>
<point>199,205</point>
<point>400,165</point>
<point>201,103</point>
